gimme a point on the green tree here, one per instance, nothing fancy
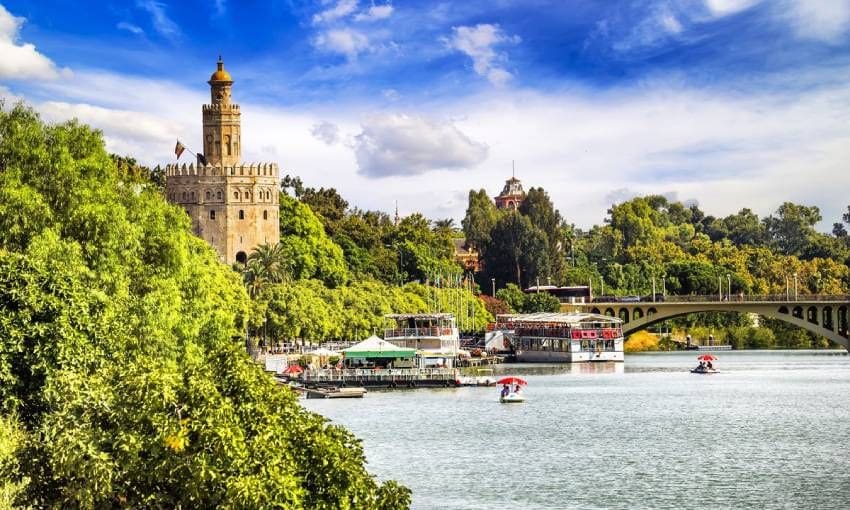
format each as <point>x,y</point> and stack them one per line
<point>517,252</point>
<point>123,372</point>
<point>481,217</point>
<point>312,254</point>
<point>792,228</point>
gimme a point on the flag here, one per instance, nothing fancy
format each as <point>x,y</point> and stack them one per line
<point>202,161</point>
<point>178,149</point>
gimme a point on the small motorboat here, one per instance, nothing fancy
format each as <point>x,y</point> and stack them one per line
<point>705,367</point>
<point>512,398</point>
<point>511,393</point>
<point>704,370</point>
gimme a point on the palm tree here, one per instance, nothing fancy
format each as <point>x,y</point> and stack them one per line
<point>275,267</point>
<point>445,224</point>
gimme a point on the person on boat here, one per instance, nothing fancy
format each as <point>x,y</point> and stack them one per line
<point>516,388</point>
<point>709,366</point>
<point>505,391</point>
<point>701,366</point>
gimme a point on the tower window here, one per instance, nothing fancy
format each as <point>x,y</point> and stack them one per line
<point>265,215</point>
<point>212,215</point>
<point>218,195</point>
<point>184,195</point>
<point>236,195</point>
<point>193,196</point>
<point>241,214</point>
<point>208,195</point>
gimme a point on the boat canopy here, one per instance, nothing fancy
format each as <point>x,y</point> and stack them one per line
<point>374,347</point>
<point>562,319</point>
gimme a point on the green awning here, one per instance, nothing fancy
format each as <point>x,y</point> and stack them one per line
<point>374,347</point>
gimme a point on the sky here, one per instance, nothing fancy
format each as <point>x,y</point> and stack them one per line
<point>727,103</point>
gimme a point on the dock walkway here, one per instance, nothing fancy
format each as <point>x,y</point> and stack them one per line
<point>386,377</point>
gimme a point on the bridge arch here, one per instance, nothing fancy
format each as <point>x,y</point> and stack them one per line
<point>828,319</point>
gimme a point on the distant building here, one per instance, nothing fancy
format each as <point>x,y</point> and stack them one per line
<point>233,205</point>
<point>467,256</point>
<point>512,195</point>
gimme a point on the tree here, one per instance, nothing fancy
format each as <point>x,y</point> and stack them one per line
<point>517,252</point>
<point>744,228</point>
<point>541,302</point>
<point>792,228</point>
<point>513,296</point>
<point>538,208</point>
<point>123,372</point>
<point>481,217</point>
<point>303,241</point>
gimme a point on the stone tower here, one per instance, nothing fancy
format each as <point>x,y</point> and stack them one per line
<point>233,205</point>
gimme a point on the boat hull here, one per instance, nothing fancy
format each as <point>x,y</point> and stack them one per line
<point>568,357</point>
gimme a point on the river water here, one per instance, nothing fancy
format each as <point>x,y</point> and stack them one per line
<point>771,430</point>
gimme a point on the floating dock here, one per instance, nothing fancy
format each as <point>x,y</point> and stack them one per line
<point>333,392</point>
<point>381,378</point>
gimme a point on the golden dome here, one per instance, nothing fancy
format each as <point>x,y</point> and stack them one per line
<point>220,74</point>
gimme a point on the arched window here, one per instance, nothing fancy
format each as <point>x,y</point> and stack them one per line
<point>236,195</point>
<point>193,196</point>
<point>241,214</point>
<point>212,215</point>
<point>265,215</point>
<point>218,195</point>
<point>184,195</point>
<point>208,195</point>
<point>227,144</point>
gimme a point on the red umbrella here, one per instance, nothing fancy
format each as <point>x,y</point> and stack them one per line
<point>512,380</point>
<point>293,369</point>
<point>707,357</point>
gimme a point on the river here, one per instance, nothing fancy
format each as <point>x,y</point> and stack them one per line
<point>769,431</point>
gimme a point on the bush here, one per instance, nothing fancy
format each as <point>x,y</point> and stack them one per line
<point>641,341</point>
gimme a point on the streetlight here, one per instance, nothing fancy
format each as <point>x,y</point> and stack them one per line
<point>728,287</point>
<point>720,288</point>
<point>602,282</point>
<point>493,281</point>
<point>664,286</point>
<point>538,285</point>
<point>653,289</point>
<point>787,289</point>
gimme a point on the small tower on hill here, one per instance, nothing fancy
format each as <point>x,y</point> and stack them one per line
<point>512,195</point>
<point>233,205</point>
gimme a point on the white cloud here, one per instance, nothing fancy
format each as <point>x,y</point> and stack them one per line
<point>825,20</point>
<point>22,61</point>
<point>342,9</point>
<point>479,43</point>
<point>670,23</point>
<point>375,12</point>
<point>327,132</point>
<point>342,41</point>
<point>399,145</point>
<point>720,8</point>
<point>129,27</point>
<point>160,20</point>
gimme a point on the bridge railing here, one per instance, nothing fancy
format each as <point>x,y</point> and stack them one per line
<point>734,298</point>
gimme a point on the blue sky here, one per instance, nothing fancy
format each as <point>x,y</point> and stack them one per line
<point>731,103</point>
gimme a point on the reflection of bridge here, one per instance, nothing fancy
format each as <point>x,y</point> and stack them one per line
<point>823,315</point>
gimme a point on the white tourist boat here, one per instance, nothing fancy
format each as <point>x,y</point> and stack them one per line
<point>511,390</point>
<point>564,337</point>
<point>434,336</point>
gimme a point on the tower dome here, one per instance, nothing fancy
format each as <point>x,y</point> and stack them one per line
<point>220,75</point>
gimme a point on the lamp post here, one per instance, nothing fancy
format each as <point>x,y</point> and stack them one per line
<point>602,286</point>
<point>493,282</point>
<point>787,290</point>
<point>728,287</point>
<point>664,286</point>
<point>653,289</point>
<point>720,288</point>
<point>795,286</point>
<point>538,285</point>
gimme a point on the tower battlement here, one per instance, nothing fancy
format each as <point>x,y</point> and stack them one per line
<point>244,169</point>
<point>219,107</point>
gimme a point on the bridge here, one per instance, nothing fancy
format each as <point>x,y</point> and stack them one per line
<point>825,315</point>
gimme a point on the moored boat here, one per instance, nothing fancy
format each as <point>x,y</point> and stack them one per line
<point>565,337</point>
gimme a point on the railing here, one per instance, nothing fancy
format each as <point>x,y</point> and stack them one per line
<point>733,298</point>
<point>383,374</point>
<point>415,332</point>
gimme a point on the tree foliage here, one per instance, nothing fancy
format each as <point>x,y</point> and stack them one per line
<point>125,380</point>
